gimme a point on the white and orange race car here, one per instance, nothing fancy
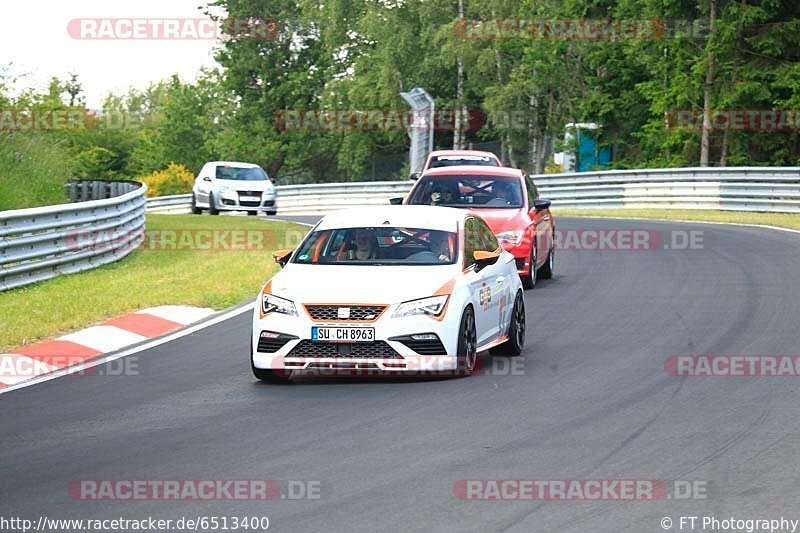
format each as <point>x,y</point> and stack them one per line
<point>392,289</point>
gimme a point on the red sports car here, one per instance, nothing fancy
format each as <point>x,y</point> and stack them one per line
<point>507,200</point>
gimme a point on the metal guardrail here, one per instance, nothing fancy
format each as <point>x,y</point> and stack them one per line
<point>104,223</point>
<point>775,189</point>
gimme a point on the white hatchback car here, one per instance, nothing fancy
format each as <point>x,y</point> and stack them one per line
<point>394,289</point>
<point>233,186</point>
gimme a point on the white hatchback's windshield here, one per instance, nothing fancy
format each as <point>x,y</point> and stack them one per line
<point>381,245</point>
<point>241,173</point>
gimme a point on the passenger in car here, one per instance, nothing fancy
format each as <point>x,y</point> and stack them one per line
<point>441,195</point>
<point>366,246</point>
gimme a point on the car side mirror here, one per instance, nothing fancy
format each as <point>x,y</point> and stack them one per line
<point>206,178</point>
<point>396,201</point>
<point>541,204</point>
<point>282,257</point>
<point>414,176</point>
<point>484,259</point>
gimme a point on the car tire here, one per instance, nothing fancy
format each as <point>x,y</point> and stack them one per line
<point>272,213</point>
<point>252,213</point>
<point>195,210</point>
<point>212,207</point>
<point>467,355</point>
<point>547,269</point>
<point>529,280</point>
<point>268,375</point>
<point>516,331</point>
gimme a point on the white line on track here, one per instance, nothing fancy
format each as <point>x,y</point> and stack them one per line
<point>236,311</point>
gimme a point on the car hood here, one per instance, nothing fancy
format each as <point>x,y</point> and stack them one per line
<point>504,219</point>
<point>242,185</point>
<point>360,284</point>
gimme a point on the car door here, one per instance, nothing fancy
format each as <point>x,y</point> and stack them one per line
<point>485,285</point>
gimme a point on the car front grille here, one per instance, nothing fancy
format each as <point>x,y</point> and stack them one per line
<point>354,313</point>
<point>363,350</point>
<point>254,194</point>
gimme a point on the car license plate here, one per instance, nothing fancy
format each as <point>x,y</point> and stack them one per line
<point>322,334</point>
<point>249,199</point>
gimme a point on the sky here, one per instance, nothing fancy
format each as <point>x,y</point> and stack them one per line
<point>35,40</point>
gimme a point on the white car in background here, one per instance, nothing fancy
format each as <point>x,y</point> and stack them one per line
<point>394,289</point>
<point>233,186</point>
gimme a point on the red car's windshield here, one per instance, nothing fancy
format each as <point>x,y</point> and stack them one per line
<point>468,191</point>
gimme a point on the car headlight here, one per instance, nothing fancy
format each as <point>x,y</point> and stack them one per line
<point>513,237</point>
<point>432,306</point>
<point>273,304</point>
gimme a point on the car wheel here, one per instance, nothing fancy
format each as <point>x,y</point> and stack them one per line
<point>212,207</point>
<point>272,213</point>
<point>516,330</point>
<point>195,210</point>
<point>529,280</point>
<point>252,213</point>
<point>547,269</point>
<point>467,355</point>
<point>267,375</point>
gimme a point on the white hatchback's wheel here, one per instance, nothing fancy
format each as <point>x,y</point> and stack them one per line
<point>195,210</point>
<point>516,330</point>
<point>467,356</point>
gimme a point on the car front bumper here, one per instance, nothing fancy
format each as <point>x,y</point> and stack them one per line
<point>392,350</point>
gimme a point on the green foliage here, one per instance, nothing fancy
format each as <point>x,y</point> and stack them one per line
<point>359,54</point>
<point>33,170</point>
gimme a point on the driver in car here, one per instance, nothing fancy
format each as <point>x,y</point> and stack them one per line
<point>440,245</point>
<point>503,193</point>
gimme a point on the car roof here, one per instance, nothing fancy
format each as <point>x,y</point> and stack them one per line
<point>437,153</point>
<point>499,172</point>
<point>231,163</point>
<point>401,216</point>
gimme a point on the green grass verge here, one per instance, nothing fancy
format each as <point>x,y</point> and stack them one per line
<point>783,220</point>
<point>146,278</point>
<point>33,170</point>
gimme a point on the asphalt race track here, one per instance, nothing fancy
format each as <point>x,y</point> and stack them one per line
<point>591,399</point>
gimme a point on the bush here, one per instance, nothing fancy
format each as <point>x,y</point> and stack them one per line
<point>175,179</point>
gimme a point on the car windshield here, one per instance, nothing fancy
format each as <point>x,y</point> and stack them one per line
<point>459,160</point>
<point>468,191</point>
<point>380,245</point>
<point>241,173</point>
